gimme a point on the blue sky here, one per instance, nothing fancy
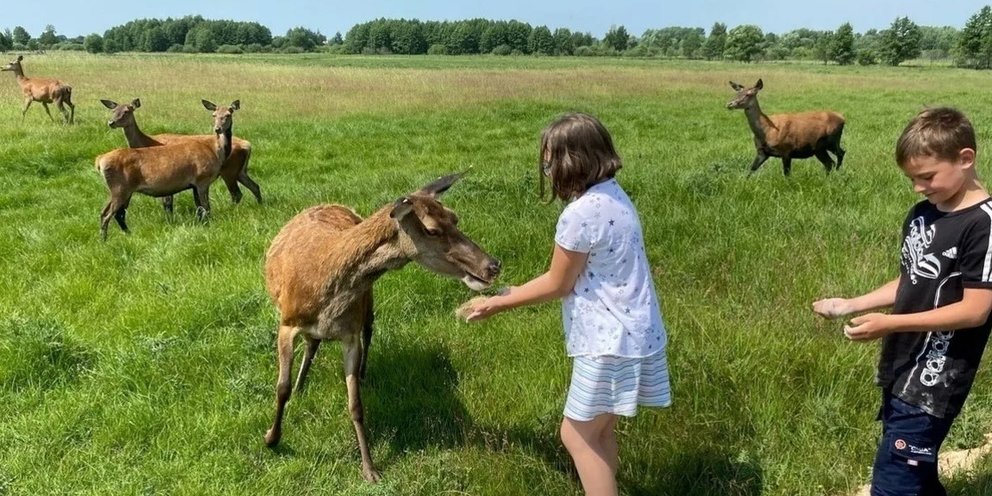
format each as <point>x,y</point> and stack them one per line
<point>81,17</point>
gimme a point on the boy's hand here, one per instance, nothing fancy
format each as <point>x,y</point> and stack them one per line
<point>831,308</point>
<point>867,327</point>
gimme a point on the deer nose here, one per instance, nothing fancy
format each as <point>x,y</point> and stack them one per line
<point>110,123</point>
<point>494,267</point>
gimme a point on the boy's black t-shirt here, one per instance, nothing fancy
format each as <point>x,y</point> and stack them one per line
<point>942,253</point>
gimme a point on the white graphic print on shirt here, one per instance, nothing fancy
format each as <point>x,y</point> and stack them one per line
<point>917,262</point>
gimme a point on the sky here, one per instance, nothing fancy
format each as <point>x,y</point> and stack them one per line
<point>82,17</point>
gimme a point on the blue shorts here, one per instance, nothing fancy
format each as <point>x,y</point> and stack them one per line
<point>906,462</point>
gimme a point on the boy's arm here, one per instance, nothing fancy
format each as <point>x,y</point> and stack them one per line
<point>558,281</point>
<point>882,297</point>
<point>972,311</point>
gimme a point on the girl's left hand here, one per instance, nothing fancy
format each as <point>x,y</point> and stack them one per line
<point>867,327</point>
<point>482,308</point>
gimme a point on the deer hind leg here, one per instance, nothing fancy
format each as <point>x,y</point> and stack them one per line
<point>231,181</point>
<point>114,209</point>
<point>201,195</point>
<point>352,363</point>
<point>312,346</point>
<point>72,108</point>
<point>839,152</point>
<point>825,159</point>
<point>366,337</point>
<point>60,104</point>
<point>167,204</point>
<point>284,388</point>
<point>247,181</point>
<point>47,111</point>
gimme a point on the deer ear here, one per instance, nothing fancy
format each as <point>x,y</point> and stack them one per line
<point>759,85</point>
<point>136,103</point>
<point>235,105</point>
<point>208,105</point>
<point>109,104</point>
<point>437,188</point>
<point>20,58</point>
<point>401,207</point>
<point>735,86</point>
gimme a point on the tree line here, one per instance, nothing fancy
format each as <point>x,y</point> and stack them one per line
<point>903,40</point>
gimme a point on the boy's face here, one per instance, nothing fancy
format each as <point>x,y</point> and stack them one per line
<point>942,181</point>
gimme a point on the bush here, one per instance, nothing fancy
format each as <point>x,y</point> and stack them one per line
<point>230,49</point>
<point>867,57</point>
<point>253,48</point>
<point>175,48</point>
<point>502,50</point>
<point>291,49</point>
<point>638,51</point>
<point>189,49</point>
<point>584,51</point>
<point>437,49</point>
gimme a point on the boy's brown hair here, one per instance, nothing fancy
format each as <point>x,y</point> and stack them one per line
<point>581,154</point>
<point>940,132</point>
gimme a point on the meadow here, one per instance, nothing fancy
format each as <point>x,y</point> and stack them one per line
<point>146,364</point>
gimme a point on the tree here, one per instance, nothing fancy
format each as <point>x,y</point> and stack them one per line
<point>842,45</point>
<point>93,43</point>
<point>541,41</point>
<point>716,42</point>
<point>307,40</point>
<point>337,39</point>
<point>744,43</point>
<point>21,36</point>
<point>974,48</point>
<point>48,38</point>
<point>155,40</point>
<point>201,38</point>
<point>617,38</point>
<point>563,42</point>
<point>900,42</point>
<point>6,42</point>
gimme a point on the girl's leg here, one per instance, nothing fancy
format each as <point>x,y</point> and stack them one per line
<point>583,440</point>
<point>608,440</point>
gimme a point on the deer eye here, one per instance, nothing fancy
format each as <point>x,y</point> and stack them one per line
<point>433,232</point>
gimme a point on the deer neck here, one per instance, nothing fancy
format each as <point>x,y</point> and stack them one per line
<point>137,139</point>
<point>370,251</point>
<point>224,143</point>
<point>759,122</point>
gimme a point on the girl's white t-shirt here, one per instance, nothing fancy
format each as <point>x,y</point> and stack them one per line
<point>613,309</point>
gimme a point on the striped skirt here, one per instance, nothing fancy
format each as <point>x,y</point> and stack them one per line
<point>617,385</point>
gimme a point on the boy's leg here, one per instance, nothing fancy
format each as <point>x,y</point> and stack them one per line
<point>583,442</point>
<point>906,461</point>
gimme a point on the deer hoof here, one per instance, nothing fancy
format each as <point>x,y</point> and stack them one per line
<point>272,437</point>
<point>371,475</point>
<point>201,213</point>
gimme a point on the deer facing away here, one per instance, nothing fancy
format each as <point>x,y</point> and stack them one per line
<point>320,270</point>
<point>42,90</point>
<point>233,171</point>
<point>789,136</point>
<point>167,169</point>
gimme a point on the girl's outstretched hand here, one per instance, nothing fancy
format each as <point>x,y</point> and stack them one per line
<point>831,308</point>
<point>480,307</point>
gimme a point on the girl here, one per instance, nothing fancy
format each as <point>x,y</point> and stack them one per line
<point>610,311</point>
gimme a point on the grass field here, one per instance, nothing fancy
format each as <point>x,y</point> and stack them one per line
<point>146,364</point>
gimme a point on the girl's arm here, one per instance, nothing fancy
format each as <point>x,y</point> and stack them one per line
<point>971,311</point>
<point>883,297</point>
<point>557,282</point>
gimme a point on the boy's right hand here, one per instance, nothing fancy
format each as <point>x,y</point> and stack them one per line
<point>831,308</point>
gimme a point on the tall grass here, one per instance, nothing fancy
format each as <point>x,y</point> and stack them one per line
<point>146,365</point>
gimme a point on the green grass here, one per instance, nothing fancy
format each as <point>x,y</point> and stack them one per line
<point>146,364</point>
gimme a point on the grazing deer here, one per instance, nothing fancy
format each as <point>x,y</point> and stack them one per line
<point>233,171</point>
<point>42,90</point>
<point>789,136</point>
<point>167,169</point>
<point>320,269</point>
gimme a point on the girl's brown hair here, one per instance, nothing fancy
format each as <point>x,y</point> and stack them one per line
<point>580,154</point>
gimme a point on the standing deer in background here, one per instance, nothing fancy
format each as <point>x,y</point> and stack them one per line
<point>42,90</point>
<point>789,136</point>
<point>320,269</point>
<point>167,169</point>
<point>233,171</point>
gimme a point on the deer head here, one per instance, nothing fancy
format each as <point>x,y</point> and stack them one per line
<point>14,65</point>
<point>745,96</point>
<point>429,235</point>
<point>122,115</point>
<point>223,115</point>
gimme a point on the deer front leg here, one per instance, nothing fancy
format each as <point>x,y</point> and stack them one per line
<point>167,204</point>
<point>312,345</point>
<point>284,388</point>
<point>27,105</point>
<point>786,165</point>
<point>758,160</point>
<point>824,158</point>
<point>201,195</point>
<point>352,363</point>
<point>47,111</point>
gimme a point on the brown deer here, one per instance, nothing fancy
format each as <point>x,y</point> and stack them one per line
<point>167,169</point>
<point>789,136</point>
<point>233,171</point>
<point>42,90</point>
<point>320,269</point>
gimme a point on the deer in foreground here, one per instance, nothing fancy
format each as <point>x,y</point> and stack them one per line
<point>42,90</point>
<point>167,169</point>
<point>320,269</point>
<point>233,171</point>
<point>789,136</point>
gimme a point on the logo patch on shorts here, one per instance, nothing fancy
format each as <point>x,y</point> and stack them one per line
<point>900,444</point>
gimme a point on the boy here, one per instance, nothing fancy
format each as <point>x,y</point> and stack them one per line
<point>933,340</point>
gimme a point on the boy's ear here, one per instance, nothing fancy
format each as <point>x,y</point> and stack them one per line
<point>966,157</point>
